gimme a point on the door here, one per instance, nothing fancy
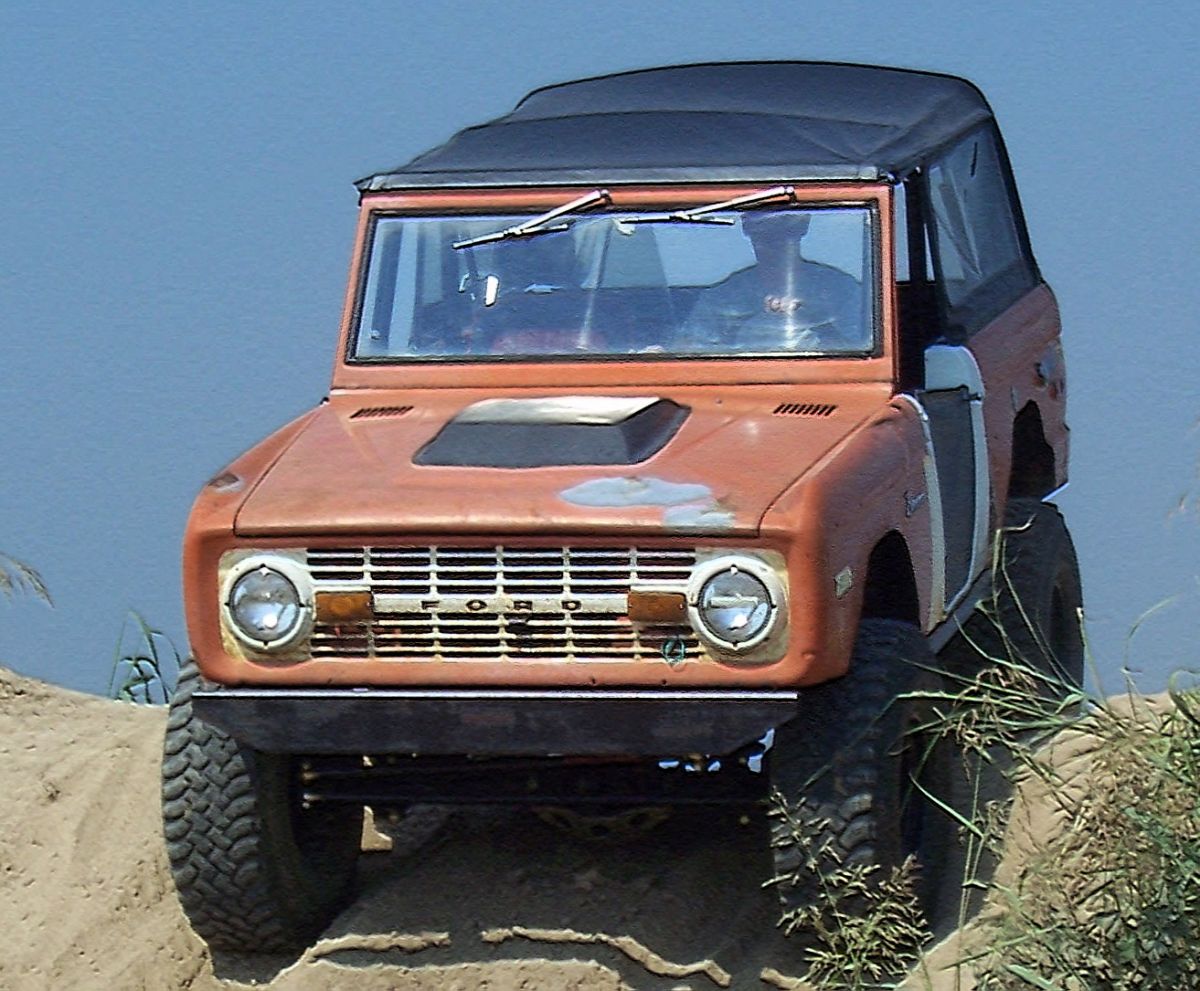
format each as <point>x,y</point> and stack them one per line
<point>952,403</point>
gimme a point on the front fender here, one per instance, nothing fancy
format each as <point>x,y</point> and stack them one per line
<point>869,485</point>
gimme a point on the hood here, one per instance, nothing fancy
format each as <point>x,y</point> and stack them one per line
<point>717,460</point>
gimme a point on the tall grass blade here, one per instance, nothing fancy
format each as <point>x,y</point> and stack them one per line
<point>145,670</point>
<point>16,576</point>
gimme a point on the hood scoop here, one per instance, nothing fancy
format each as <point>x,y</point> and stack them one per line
<point>553,431</point>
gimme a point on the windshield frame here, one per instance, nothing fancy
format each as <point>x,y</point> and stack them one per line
<point>352,371</point>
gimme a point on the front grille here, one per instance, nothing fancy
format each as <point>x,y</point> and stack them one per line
<point>515,603</point>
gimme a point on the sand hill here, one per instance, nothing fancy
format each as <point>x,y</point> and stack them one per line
<point>471,900</point>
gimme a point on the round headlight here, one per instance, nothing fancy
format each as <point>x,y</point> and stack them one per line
<point>735,606</point>
<point>265,605</point>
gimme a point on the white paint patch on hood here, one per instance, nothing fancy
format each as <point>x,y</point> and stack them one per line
<point>708,517</point>
<point>687,505</point>
<point>625,491</point>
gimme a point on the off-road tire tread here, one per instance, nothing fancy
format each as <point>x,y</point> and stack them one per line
<point>225,864</point>
<point>827,765</point>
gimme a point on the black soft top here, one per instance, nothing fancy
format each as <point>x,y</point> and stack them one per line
<point>724,121</point>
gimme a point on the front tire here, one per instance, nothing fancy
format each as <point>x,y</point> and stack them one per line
<point>855,768</point>
<point>255,871</point>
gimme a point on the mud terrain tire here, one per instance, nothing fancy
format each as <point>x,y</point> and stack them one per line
<point>1032,615</point>
<point>846,765</point>
<point>255,872</point>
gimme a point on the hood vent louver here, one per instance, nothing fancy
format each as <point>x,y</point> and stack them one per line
<point>805,409</point>
<point>379,412</point>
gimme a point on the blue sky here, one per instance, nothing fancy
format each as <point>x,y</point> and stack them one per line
<point>177,211</point>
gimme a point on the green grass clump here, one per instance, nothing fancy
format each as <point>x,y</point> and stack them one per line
<point>867,928</point>
<point>145,663</point>
<point>1111,900</point>
<point>1107,900</point>
<point>864,927</point>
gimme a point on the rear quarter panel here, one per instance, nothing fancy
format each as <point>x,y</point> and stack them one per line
<point>1021,360</point>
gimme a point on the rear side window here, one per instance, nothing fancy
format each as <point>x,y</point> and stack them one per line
<point>982,261</point>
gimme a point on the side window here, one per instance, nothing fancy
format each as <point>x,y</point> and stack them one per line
<point>980,256</point>
<point>911,256</point>
<point>900,232</point>
<point>388,301</point>
<point>920,322</point>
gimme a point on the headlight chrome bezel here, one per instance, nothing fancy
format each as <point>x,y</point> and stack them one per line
<point>292,572</point>
<point>755,567</point>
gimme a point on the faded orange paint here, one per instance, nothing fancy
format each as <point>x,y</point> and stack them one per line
<point>356,476</point>
<point>821,491</point>
<point>346,482</point>
<point>852,498</point>
<point>334,480</point>
<point>1009,350</point>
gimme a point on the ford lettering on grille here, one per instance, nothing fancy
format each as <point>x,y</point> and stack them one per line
<point>516,603</point>
<point>499,604</point>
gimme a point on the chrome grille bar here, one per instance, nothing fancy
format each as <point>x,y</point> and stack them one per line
<point>512,603</point>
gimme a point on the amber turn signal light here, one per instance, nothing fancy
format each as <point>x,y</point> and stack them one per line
<point>344,607</point>
<point>657,607</point>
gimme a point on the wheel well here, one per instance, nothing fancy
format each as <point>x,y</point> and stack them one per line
<point>1032,473</point>
<point>891,589</point>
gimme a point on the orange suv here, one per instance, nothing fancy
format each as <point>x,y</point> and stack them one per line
<point>673,419</point>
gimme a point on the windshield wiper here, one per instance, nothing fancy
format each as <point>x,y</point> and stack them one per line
<point>700,214</point>
<point>542,223</point>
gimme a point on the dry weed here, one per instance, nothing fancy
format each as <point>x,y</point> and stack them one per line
<point>1111,901</point>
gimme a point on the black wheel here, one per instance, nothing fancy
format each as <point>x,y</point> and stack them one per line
<point>1032,617</point>
<point>255,871</point>
<point>856,767</point>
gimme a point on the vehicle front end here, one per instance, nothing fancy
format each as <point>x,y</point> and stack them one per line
<point>530,518</point>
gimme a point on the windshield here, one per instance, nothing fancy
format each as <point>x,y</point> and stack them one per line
<point>798,281</point>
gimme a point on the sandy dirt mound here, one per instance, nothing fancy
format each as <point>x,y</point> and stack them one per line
<point>477,899</point>
<point>489,899</point>
<point>85,898</point>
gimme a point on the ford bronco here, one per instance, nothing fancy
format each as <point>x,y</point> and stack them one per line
<point>673,420</point>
